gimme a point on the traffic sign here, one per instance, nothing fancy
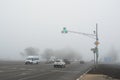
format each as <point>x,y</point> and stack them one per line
<point>96,43</point>
<point>93,49</point>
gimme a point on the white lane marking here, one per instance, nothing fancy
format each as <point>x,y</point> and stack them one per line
<point>82,76</point>
<point>23,73</point>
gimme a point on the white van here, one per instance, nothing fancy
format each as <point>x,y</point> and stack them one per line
<point>32,60</point>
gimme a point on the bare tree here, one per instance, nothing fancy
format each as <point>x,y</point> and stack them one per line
<point>30,51</point>
<point>61,54</point>
<point>47,54</point>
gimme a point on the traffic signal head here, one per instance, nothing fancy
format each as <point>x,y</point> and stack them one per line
<point>64,30</point>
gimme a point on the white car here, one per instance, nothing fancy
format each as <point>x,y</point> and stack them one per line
<point>32,60</point>
<point>59,64</point>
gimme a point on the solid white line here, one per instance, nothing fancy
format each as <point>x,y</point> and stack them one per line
<point>82,76</point>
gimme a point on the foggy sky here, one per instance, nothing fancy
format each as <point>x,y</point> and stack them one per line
<point>38,23</point>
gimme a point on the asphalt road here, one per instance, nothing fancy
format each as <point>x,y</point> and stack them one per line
<point>19,71</point>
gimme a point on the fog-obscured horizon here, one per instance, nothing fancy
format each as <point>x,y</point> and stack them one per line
<point>33,27</point>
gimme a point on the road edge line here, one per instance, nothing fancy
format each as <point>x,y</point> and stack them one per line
<point>82,76</point>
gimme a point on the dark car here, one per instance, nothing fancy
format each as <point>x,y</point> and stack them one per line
<point>66,61</point>
<point>82,62</point>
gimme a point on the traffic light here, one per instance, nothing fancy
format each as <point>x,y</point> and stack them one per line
<point>64,30</point>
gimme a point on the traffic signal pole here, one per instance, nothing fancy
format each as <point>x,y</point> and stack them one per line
<point>97,55</point>
<point>94,36</point>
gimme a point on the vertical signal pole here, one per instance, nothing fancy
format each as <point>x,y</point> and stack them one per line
<point>96,43</point>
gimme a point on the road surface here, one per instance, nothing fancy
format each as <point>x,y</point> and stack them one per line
<point>42,71</point>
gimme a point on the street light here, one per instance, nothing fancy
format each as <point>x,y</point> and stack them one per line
<point>94,36</point>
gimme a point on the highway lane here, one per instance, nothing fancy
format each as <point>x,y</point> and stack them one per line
<point>42,71</point>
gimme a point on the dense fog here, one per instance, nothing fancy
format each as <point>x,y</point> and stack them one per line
<point>33,27</point>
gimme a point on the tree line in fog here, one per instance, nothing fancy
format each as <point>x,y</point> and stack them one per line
<point>61,54</point>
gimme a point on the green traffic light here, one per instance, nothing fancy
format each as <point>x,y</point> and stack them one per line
<point>65,30</point>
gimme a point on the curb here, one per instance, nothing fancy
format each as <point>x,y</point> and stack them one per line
<point>82,76</point>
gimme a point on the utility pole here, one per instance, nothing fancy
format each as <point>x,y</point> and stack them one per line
<point>94,36</point>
